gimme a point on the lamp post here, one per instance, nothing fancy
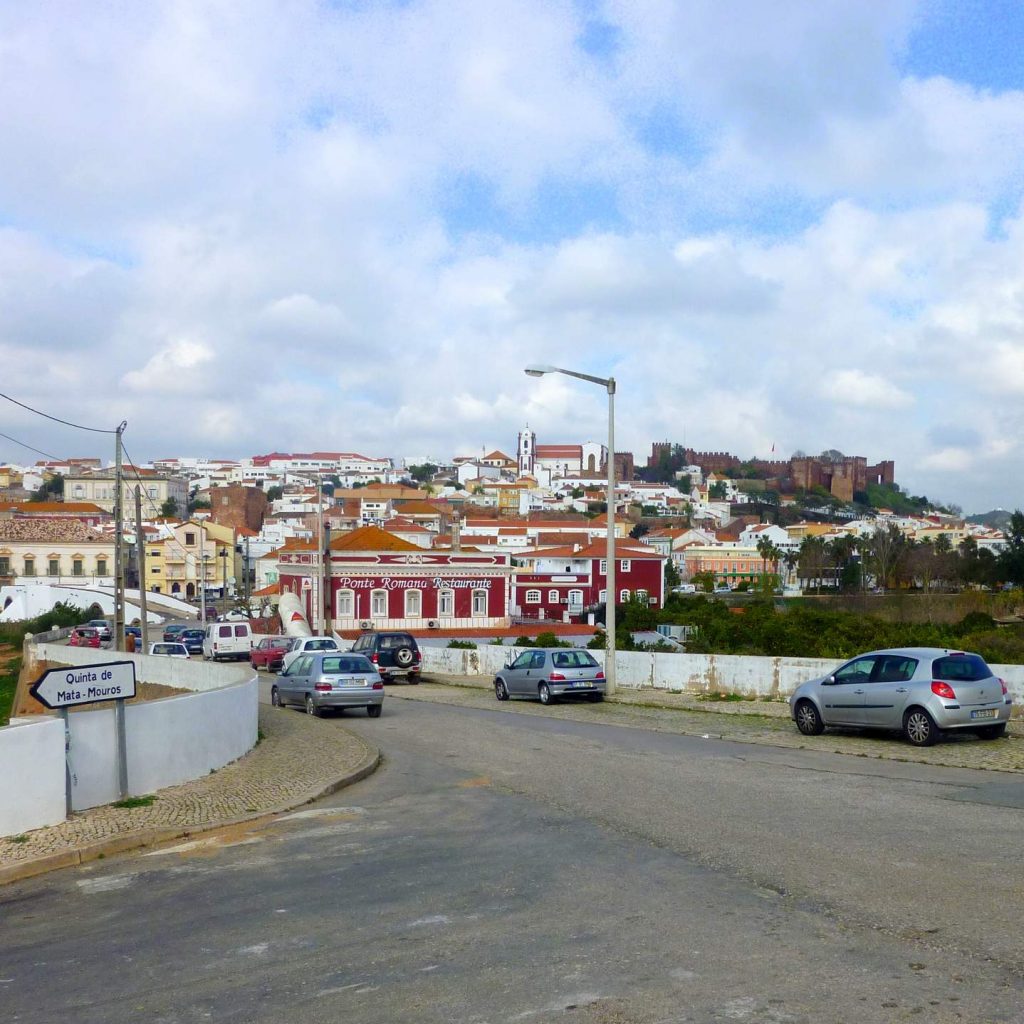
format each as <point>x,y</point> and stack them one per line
<point>202,586</point>
<point>224,564</point>
<point>609,615</point>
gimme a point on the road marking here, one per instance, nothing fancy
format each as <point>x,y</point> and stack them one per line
<point>258,950</point>
<point>424,921</point>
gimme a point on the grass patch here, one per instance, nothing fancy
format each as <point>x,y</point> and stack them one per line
<point>8,680</point>
<point>18,839</point>
<point>260,736</point>
<point>136,801</point>
<point>728,698</point>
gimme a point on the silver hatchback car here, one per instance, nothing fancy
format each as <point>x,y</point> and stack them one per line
<point>329,679</point>
<point>921,691</point>
<point>550,673</point>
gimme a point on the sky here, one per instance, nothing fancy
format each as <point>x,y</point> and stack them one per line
<point>254,226</point>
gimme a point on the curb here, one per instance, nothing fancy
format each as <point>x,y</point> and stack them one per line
<point>155,837</point>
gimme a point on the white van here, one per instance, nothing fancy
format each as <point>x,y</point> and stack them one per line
<point>231,640</point>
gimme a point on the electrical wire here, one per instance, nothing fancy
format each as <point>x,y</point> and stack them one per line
<point>38,451</point>
<point>56,419</point>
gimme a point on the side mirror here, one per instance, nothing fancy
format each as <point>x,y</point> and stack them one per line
<point>830,681</point>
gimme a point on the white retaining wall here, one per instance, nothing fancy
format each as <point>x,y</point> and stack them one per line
<point>32,769</point>
<point>695,673</point>
<point>168,741</point>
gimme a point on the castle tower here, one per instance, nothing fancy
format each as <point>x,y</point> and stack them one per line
<point>525,451</point>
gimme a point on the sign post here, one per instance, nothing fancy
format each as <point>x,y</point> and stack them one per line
<point>62,688</point>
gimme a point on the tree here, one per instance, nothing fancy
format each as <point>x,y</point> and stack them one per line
<point>717,491</point>
<point>275,493</point>
<point>423,473</point>
<point>671,575</point>
<point>169,509</point>
<point>52,488</point>
<point>704,580</point>
<point>639,530</point>
<point>888,547</point>
<point>1011,559</point>
<point>684,484</point>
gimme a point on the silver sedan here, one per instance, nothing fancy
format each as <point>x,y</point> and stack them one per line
<point>920,691</point>
<point>329,679</point>
<point>549,674</point>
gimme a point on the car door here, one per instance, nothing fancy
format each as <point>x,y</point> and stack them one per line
<point>536,673</point>
<point>292,682</point>
<point>888,690</point>
<point>843,693</point>
<point>515,674</point>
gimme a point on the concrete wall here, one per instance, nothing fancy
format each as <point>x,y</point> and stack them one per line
<point>32,769</point>
<point>695,673</point>
<point>168,741</point>
<point>193,674</point>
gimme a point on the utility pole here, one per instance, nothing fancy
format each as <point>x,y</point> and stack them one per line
<point>140,547</point>
<point>118,541</point>
<point>325,576</point>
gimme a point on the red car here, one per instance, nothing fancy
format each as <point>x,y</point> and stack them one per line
<point>268,652</point>
<point>84,636</point>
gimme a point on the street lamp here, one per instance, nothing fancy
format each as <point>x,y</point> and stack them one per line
<point>609,604</point>
<point>224,562</point>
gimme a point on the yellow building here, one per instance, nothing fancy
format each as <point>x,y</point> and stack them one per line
<point>195,551</point>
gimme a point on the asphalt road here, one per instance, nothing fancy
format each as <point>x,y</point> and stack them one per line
<point>506,867</point>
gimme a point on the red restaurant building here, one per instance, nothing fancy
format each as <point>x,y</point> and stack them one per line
<point>379,581</point>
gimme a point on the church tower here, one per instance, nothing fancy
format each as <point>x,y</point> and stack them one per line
<point>525,450</point>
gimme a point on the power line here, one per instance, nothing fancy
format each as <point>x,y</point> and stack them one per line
<point>56,419</point>
<point>56,458</point>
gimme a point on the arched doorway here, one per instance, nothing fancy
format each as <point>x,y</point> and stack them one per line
<point>190,590</point>
<point>591,465</point>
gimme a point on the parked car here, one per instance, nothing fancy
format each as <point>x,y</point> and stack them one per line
<point>174,629</point>
<point>192,639</point>
<point>169,649</point>
<point>551,673</point>
<point>268,652</point>
<point>307,645</point>
<point>102,627</point>
<point>920,691</point>
<point>84,636</point>
<point>231,640</point>
<point>685,588</point>
<point>395,654</point>
<point>235,615</point>
<point>330,679</point>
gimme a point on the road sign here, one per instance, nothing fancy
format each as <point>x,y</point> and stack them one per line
<point>307,583</point>
<point>85,684</point>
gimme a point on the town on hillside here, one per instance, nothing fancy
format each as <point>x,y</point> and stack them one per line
<point>475,542</point>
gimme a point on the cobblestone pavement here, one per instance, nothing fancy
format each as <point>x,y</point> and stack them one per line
<point>298,759</point>
<point>764,722</point>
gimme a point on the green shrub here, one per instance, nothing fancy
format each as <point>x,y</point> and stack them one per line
<point>549,639</point>
<point>462,645</point>
<point>524,641</point>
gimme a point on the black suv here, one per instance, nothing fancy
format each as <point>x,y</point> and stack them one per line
<point>393,654</point>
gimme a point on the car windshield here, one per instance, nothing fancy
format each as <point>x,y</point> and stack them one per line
<point>388,643</point>
<point>321,645</point>
<point>337,665</point>
<point>966,668</point>
<point>572,659</point>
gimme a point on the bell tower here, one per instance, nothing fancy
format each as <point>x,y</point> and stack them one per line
<point>525,449</point>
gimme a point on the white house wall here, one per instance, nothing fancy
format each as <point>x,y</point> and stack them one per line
<point>32,767</point>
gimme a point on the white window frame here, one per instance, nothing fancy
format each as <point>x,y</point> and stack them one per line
<point>576,598</point>
<point>602,596</point>
<point>532,597</point>
<point>623,596</point>
<point>479,605</point>
<point>552,597</point>
<point>378,604</point>
<point>602,567</point>
<point>625,565</point>
<point>445,603</point>
<point>346,604</point>
<point>413,603</point>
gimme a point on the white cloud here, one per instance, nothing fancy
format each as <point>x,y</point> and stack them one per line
<point>294,225</point>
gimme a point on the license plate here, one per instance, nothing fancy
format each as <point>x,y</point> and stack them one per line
<point>988,713</point>
<point>581,682</point>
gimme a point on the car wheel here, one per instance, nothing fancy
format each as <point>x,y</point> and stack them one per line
<point>403,657</point>
<point>808,719</point>
<point>992,732</point>
<point>919,728</point>
<point>544,692</point>
<point>500,689</point>
<point>374,710</point>
<point>275,697</point>
<point>311,708</point>
<point>414,678</point>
